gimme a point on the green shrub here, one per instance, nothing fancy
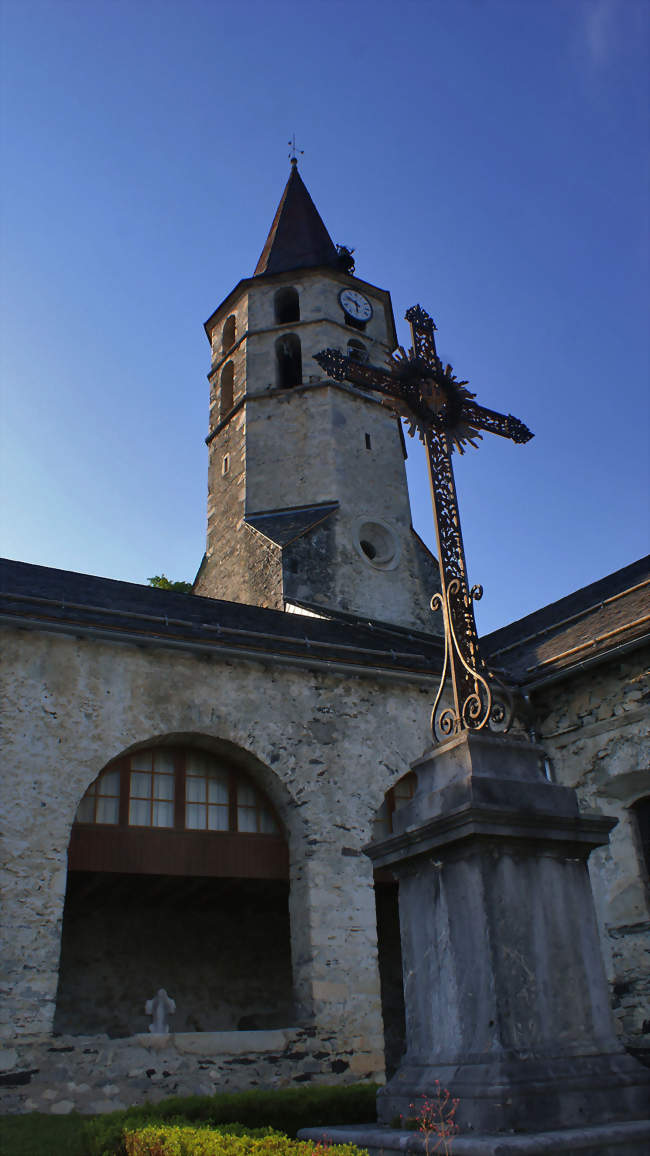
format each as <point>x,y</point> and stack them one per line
<point>103,1134</point>
<point>175,1140</point>
<point>285,1110</point>
<point>179,1139</point>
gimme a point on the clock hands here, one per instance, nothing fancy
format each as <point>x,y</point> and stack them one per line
<point>355,305</point>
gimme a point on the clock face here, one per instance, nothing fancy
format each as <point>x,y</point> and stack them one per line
<point>355,305</point>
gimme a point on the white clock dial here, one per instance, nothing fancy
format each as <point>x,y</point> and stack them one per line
<point>355,304</point>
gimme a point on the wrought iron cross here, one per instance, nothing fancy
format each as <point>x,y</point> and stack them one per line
<point>443,411</point>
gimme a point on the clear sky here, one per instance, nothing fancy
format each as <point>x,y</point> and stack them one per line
<point>486,158</point>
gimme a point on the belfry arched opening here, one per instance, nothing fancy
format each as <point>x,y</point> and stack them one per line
<point>178,877</point>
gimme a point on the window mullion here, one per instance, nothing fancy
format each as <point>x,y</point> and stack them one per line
<point>152,793</point>
<point>179,790</point>
<point>232,802</point>
<point>125,790</point>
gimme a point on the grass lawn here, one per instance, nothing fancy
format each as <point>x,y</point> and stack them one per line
<point>39,1135</point>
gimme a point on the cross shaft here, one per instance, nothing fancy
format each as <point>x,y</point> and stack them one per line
<point>420,389</point>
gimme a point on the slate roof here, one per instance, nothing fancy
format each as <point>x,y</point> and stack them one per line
<point>298,238</point>
<point>44,598</point>
<point>587,626</point>
<point>284,526</point>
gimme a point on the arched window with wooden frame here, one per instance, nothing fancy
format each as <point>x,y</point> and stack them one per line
<point>226,389</point>
<point>288,358</point>
<point>395,798</point>
<point>287,306</point>
<point>169,809</point>
<point>178,877</point>
<point>401,794</point>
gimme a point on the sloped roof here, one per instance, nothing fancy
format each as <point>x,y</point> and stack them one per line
<point>64,601</point>
<point>298,238</point>
<point>586,626</point>
<point>284,526</point>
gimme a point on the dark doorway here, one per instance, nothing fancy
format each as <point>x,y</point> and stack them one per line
<point>390,973</point>
<point>220,947</point>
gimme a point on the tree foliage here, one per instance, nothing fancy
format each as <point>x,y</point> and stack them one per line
<point>162,582</point>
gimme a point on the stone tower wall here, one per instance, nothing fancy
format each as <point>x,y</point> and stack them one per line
<point>239,565</point>
<point>311,444</point>
<point>323,746</point>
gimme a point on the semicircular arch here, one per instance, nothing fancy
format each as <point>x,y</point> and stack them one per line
<point>195,801</point>
<point>180,892</point>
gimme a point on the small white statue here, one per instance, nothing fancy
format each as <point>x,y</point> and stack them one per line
<point>160,1007</point>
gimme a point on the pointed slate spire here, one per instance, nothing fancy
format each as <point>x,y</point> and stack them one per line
<point>298,238</point>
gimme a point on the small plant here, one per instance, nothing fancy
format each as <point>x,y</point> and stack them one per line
<point>435,1120</point>
<point>162,582</point>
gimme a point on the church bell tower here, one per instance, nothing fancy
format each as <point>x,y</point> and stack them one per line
<point>308,506</point>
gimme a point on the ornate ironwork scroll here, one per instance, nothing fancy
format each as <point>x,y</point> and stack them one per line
<point>443,412</point>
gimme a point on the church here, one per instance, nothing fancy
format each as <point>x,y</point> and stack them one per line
<point>190,780</point>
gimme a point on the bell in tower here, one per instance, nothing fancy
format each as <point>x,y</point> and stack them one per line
<point>308,506</point>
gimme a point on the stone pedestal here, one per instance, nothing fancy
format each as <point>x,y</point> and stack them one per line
<point>506,997</point>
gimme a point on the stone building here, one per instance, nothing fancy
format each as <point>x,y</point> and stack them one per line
<point>190,780</point>
<point>582,666</point>
<point>307,498</point>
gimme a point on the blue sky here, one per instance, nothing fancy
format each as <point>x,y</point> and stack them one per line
<point>487,159</point>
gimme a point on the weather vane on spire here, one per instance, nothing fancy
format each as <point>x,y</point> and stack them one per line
<point>293,155</point>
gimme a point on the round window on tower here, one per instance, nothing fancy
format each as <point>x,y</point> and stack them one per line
<point>377,544</point>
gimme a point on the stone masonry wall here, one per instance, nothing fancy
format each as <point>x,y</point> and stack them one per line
<point>324,747</point>
<point>595,729</point>
<point>240,565</point>
<point>94,1074</point>
<point>302,446</point>
<point>338,446</point>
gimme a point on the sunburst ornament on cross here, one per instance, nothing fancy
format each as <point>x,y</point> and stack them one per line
<point>442,410</point>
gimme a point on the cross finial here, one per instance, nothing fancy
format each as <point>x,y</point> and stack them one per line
<point>293,155</point>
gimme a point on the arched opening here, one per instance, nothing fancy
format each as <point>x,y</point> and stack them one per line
<point>389,945</point>
<point>287,306</point>
<point>228,334</point>
<point>177,878</point>
<point>357,351</point>
<point>288,358</point>
<point>226,389</point>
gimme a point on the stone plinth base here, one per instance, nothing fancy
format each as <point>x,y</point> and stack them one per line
<point>626,1139</point>
<point>526,1095</point>
<point>505,994</point>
